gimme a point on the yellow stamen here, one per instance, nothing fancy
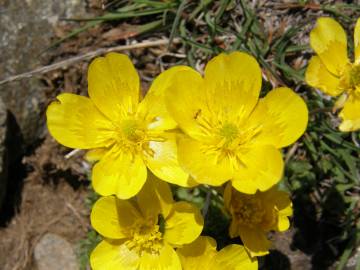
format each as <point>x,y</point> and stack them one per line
<point>248,210</point>
<point>146,238</point>
<point>132,130</point>
<point>350,80</point>
<point>134,137</point>
<point>354,76</point>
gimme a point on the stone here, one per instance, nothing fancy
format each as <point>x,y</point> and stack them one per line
<point>55,253</point>
<point>352,263</point>
<point>284,256</point>
<point>3,152</point>
<point>26,28</point>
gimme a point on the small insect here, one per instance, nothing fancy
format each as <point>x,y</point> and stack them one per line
<point>197,114</point>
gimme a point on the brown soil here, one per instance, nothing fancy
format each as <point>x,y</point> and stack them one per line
<point>52,200</point>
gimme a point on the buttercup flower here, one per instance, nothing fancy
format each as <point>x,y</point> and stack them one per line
<point>141,233</point>
<point>231,134</point>
<point>332,72</point>
<point>126,134</point>
<point>253,216</point>
<point>202,254</point>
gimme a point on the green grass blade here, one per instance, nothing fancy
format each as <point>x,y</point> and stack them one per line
<point>175,25</point>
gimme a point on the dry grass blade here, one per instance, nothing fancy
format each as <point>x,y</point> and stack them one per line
<point>65,63</point>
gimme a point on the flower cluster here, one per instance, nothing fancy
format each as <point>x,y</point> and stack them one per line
<point>188,130</point>
<point>142,233</point>
<point>332,72</point>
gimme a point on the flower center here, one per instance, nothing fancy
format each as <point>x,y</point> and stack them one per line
<point>226,141</point>
<point>354,76</point>
<point>134,137</point>
<point>229,132</point>
<point>248,210</point>
<point>146,239</point>
<point>132,131</point>
<point>350,80</point>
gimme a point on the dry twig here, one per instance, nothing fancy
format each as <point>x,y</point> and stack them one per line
<point>65,63</point>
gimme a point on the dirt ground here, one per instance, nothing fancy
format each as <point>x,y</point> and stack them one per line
<point>50,200</point>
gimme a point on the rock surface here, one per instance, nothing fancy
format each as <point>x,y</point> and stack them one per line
<point>26,28</point>
<point>284,256</point>
<point>55,253</point>
<point>3,151</point>
<point>353,260</point>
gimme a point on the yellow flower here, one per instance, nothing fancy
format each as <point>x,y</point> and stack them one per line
<point>141,233</point>
<point>126,134</point>
<point>231,134</point>
<point>202,255</point>
<point>332,72</point>
<point>253,216</point>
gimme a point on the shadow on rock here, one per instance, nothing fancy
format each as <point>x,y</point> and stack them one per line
<point>318,227</point>
<point>276,260</point>
<point>54,176</point>
<point>14,169</point>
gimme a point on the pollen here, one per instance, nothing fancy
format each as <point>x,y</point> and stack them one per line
<point>248,210</point>
<point>146,239</point>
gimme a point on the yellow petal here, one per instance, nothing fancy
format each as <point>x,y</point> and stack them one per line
<point>108,256</point>
<point>184,224</point>
<point>155,198</point>
<point>319,77</point>
<point>152,108</point>
<point>234,257</point>
<point>114,85</point>
<point>119,173</point>
<point>164,162</point>
<point>357,41</point>
<point>233,228</point>
<point>255,241</point>
<point>185,100</point>
<point>280,201</point>
<point>166,260</point>
<point>283,223</point>
<point>95,154</point>
<point>328,40</point>
<point>350,114</point>
<point>112,218</point>
<point>282,116</point>
<point>75,122</point>
<point>340,102</point>
<point>263,168</point>
<point>198,254</point>
<point>202,164</point>
<point>233,83</point>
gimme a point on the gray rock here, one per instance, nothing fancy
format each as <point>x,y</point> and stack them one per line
<point>55,253</point>
<point>26,28</point>
<point>353,260</point>
<point>3,151</point>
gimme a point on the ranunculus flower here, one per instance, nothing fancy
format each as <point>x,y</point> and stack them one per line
<point>332,72</point>
<point>231,134</point>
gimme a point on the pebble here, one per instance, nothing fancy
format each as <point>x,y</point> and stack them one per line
<point>55,253</point>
